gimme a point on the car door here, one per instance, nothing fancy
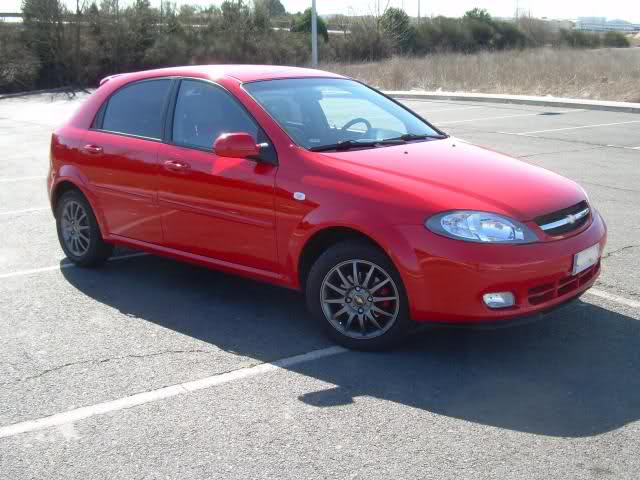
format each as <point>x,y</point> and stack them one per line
<point>216,206</point>
<point>120,158</point>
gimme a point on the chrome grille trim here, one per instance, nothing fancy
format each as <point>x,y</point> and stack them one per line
<point>566,220</point>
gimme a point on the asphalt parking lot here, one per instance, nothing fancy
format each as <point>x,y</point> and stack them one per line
<point>148,368</point>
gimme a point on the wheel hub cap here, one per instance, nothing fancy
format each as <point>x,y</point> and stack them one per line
<point>75,228</point>
<point>360,299</point>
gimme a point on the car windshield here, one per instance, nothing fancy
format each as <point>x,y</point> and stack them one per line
<point>326,113</point>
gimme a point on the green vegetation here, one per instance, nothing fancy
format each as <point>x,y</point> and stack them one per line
<point>58,47</point>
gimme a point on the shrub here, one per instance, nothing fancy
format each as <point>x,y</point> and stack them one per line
<point>302,23</point>
<point>615,39</point>
<point>19,67</point>
<point>579,39</point>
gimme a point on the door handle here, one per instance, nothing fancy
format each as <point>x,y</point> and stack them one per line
<point>176,165</point>
<point>93,149</point>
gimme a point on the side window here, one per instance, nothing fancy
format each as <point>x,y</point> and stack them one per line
<point>137,109</point>
<point>204,112</point>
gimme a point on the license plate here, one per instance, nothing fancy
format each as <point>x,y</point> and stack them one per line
<point>585,259</point>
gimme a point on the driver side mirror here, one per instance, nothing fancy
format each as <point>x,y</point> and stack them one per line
<point>236,145</point>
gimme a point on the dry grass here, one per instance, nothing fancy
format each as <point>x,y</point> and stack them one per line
<point>604,74</point>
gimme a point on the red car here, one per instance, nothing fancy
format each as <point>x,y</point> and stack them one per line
<point>317,182</point>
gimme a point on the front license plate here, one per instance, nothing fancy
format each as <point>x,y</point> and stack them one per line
<point>585,259</point>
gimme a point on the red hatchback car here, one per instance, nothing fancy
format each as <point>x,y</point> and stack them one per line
<point>317,182</point>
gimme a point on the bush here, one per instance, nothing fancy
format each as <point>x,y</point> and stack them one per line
<point>363,43</point>
<point>615,39</point>
<point>301,23</point>
<point>578,39</point>
<point>19,67</point>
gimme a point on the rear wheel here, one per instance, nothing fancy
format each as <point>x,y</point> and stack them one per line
<point>357,295</point>
<point>78,231</point>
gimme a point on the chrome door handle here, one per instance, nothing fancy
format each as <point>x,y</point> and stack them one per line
<point>93,149</point>
<point>176,165</point>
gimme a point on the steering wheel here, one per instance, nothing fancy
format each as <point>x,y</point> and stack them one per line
<point>355,121</point>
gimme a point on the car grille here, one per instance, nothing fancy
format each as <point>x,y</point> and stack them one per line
<point>566,220</point>
<point>549,291</point>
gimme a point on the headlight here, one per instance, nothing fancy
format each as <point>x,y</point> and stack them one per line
<point>481,227</point>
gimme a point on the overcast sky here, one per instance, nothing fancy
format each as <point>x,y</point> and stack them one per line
<point>569,9</point>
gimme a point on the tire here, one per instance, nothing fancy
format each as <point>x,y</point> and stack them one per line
<point>78,231</point>
<point>346,328</point>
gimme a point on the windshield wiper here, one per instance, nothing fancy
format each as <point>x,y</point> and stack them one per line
<point>347,144</point>
<point>416,136</point>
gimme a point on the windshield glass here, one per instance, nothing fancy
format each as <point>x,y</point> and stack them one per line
<point>318,112</point>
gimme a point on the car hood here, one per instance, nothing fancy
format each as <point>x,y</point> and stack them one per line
<point>451,174</point>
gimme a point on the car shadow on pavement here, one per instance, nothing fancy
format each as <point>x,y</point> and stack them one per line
<point>573,374</point>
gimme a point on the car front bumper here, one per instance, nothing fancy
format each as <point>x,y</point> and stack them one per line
<point>451,276</point>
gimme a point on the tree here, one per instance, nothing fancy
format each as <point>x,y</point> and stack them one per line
<point>396,26</point>
<point>44,35</point>
<point>479,14</point>
<point>302,23</point>
<point>273,7</point>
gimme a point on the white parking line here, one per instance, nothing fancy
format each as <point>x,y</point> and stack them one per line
<point>161,393</point>
<point>500,117</point>
<point>22,179</point>
<point>453,109</point>
<point>26,210</point>
<point>22,273</point>
<point>572,128</point>
<point>614,298</point>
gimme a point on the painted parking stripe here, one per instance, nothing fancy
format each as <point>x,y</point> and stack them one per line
<point>52,268</point>
<point>130,401</point>
<point>500,117</point>
<point>572,128</point>
<point>22,179</point>
<point>614,298</point>
<point>433,112</point>
<point>26,210</point>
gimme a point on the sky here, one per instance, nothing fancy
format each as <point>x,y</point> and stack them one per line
<point>565,9</point>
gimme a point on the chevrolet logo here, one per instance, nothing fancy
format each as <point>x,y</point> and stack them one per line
<point>571,219</point>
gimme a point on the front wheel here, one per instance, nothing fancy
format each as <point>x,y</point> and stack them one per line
<point>357,295</point>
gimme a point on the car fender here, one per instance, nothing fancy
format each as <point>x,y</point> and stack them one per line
<point>73,175</point>
<point>388,238</point>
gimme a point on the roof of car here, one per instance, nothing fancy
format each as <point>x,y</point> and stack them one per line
<point>242,73</point>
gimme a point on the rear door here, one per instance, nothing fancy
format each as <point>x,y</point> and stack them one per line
<point>120,158</point>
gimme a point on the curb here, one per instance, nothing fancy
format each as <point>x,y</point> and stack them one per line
<point>38,92</point>
<point>626,107</point>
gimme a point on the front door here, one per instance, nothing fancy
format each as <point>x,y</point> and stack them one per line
<point>214,206</point>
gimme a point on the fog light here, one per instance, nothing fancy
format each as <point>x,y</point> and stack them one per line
<point>499,299</point>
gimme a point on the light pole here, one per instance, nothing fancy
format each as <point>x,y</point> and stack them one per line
<point>314,34</point>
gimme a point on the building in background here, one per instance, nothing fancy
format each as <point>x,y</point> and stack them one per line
<point>601,24</point>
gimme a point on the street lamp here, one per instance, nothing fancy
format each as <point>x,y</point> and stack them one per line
<point>314,34</point>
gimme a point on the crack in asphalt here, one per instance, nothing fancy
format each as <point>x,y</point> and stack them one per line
<point>612,287</point>
<point>475,129</point>
<point>100,361</point>
<point>618,250</point>
<point>562,151</point>
<point>622,189</point>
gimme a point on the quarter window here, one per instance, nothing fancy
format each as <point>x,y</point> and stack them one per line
<point>137,109</point>
<point>204,112</point>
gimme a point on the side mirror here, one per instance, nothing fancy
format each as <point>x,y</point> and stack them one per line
<point>236,145</point>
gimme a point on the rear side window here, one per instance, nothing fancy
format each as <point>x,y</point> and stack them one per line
<point>137,109</point>
<point>204,112</point>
